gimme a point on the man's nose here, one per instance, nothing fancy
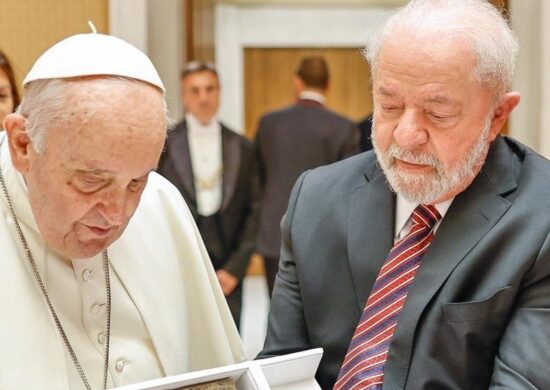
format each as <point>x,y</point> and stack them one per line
<point>410,131</point>
<point>113,206</point>
<point>203,96</point>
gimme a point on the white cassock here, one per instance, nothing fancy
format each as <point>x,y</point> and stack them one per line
<point>169,315</point>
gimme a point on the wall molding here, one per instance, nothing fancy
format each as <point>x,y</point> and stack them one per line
<point>240,25</point>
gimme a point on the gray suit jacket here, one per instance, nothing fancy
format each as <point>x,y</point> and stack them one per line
<point>288,142</point>
<point>478,312</point>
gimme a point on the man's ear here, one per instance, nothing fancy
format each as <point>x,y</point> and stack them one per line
<point>19,141</point>
<point>298,84</point>
<point>502,112</point>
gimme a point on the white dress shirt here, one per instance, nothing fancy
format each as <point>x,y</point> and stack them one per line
<point>205,147</point>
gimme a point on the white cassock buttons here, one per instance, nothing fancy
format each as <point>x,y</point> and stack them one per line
<point>97,307</point>
<point>121,363</point>
<point>87,274</point>
<point>101,337</point>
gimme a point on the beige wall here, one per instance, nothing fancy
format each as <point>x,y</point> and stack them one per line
<point>530,122</point>
<point>28,27</point>
<point>156,28</point>
<point>166,47</point>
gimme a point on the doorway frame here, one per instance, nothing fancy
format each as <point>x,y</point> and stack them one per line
<point>239,26</point>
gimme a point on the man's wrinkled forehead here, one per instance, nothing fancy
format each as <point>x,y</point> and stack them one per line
<point>90,107</point>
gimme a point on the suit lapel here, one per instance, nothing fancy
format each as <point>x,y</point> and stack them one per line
<point>471,216</point>
<point>178,150</point>
<point>371,230</point>
<point>231,154</point>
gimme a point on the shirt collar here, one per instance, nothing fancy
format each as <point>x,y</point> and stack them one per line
<point>315,96</point>
<point>404,209</point>
<point>195,126</point>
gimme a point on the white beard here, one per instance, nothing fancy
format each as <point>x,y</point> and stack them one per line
<point>427,188</point>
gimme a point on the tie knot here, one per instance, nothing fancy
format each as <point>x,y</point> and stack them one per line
<point>426,215</point>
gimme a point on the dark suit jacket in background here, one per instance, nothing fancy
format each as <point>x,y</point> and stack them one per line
<point>365,131</point>
<point>239,207</point>
<point>478,312</point>
<point>288,142</point>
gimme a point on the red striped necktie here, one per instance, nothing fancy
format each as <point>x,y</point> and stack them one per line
<point>363,366</point>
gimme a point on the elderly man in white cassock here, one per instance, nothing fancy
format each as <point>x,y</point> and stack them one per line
<point>104,279</point>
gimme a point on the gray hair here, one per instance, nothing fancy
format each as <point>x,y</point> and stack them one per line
<point>494,44</point>
<point>44,105</point>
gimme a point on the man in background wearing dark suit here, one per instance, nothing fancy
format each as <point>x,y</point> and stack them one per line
<point>425,264</point>
<point>215,170</point>
<point>292,140</point>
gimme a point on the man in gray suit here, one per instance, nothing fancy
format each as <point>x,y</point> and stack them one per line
<point>472,311</point>
<point>292,140</point>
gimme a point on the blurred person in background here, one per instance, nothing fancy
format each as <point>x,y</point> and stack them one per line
<point>292,140</point>
<point>9,96</point>
<point>214,168</point>
<point>365,131</point>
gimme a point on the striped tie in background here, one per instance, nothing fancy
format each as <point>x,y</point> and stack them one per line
<point>363,366</point>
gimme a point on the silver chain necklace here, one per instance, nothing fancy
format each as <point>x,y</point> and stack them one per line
<point>49,303</point>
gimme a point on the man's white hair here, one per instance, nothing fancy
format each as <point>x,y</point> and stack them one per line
<point>45,105</point>
<point>494,44</point>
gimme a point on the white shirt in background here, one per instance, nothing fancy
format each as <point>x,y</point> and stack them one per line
<point>315,96</point>
<point>205,147</point>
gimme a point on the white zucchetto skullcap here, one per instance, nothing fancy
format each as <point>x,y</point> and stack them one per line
<point>93,55</point>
